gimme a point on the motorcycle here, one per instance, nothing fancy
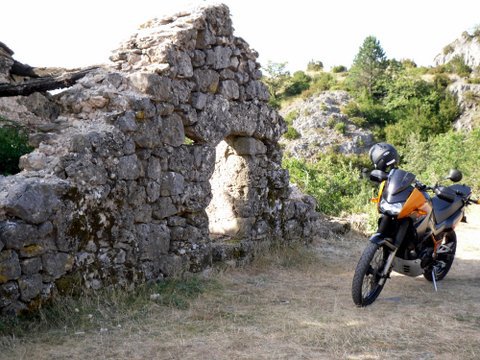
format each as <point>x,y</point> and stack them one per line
<point>416,231</point>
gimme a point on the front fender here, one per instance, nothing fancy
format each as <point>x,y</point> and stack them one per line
<point>380,240</point>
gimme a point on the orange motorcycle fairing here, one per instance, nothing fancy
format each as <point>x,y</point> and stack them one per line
<point>415,202</point>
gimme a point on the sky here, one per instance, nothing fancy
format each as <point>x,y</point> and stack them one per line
<point>73,33</point>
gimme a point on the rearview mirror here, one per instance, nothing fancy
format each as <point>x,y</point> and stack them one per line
<point>455,175</point>
<point>378,176</point>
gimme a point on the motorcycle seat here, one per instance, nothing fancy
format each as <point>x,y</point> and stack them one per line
<point>442,209</point>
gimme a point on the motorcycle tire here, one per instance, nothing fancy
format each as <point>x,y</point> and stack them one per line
<point>365,284</point>
<point>445,259</point>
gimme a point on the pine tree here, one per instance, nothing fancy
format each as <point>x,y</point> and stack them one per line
<point>368,69</point>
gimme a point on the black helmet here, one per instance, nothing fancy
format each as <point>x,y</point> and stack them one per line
<point>383,155</point>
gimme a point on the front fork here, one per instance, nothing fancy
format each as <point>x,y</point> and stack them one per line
<point>393,246</point>
<point>388,267</point>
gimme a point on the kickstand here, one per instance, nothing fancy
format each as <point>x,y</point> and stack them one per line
<point>434,279</point>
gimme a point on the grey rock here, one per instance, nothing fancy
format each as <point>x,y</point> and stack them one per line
<point>9,266</point>
<point>30,286</point>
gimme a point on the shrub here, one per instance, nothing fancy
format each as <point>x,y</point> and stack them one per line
<point>292,115</point>
<point>475,80</point>
<point>341,127</point>
<point>331,122</point>
<point>339,69</point>
<point>458,66</point>
<point>297,83</point>
<point>292,134</point>
<point>358,121</point>
<point>314,65</point>
<point>448,49</point>
<point>334,180</point>
<point>320,82</point>
<point>351,109</point>
<point>13,144</point>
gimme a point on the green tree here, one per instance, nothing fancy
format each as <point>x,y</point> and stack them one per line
<point>314,65</point>
<point>366,75</point>
<point>297,83</point>
<point>276,78</point>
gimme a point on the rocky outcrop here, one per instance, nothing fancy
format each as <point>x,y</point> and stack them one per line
<point>164,162</point>
<point>468,96</point>
<point>322,127</point>
<point>466,46</point>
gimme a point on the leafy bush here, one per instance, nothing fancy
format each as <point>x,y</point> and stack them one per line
<point>432,159</point>
<point>297,83</point>
<point>292,133</point>
<point>331,122</point>
<point>358,121</point>
<point>458,66</point>
<point>335,181</point>
<point>341,127</point>
<point>448,49</point>
<point>314,65</point>
<point>339,69</point>
<point>292,115</point>
<point>320,82</point>
<point>13,144</point>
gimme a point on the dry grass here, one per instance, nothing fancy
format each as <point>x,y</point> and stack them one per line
<point>293,304</point>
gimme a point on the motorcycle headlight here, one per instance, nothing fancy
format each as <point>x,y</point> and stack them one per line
<point>391,209</point>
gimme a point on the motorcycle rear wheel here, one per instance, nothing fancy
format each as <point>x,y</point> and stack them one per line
<point>366,281</point>
<point>444,259</point>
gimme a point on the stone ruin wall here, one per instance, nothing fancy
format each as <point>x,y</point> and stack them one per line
<point>119,188</point>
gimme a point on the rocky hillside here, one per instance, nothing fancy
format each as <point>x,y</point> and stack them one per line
<point>466,46</point>
<point>468,96</point>
<point>322,127</point>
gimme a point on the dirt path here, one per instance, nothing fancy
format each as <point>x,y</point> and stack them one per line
<point>297,305</point>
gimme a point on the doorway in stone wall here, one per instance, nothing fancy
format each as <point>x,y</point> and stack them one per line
<point>239,192</point>
<point>228,184</point>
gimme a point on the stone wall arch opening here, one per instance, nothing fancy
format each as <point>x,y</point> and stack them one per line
<point>240,191</point>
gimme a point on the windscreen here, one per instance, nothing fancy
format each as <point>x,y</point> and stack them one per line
<point>398,181</point>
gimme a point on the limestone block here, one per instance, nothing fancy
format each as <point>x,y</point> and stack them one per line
<point>181,62</point>
<point>56,264</point>
<point>221,57</point>
<point>33,161</point>
<point>153,191</point>
<point>198,58</point>
<point>159,87</point>
<point>85,172</point>
<point>229,89</point>
<point>171,265</point>
<point>143,213</point>
<point>9,266</point>
<point>256,90</point>
<point>206,80</point>
<point>9,292</point>
<point>173,132</point>
<point>127,122</point>
<point>199,100</point>
<point>163,208</point>
<point>16,235</point>
<point>153,240</point>
<point>172,184</point>
<point>31,266</point>
<point>128,167</point>
<point>35,200</point>
<point>30,286</point>
<point>154,168</point>
<point>249,146</point>
<point>196,196</point>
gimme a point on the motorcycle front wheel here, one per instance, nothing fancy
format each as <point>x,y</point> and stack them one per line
<point>366,281</point>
